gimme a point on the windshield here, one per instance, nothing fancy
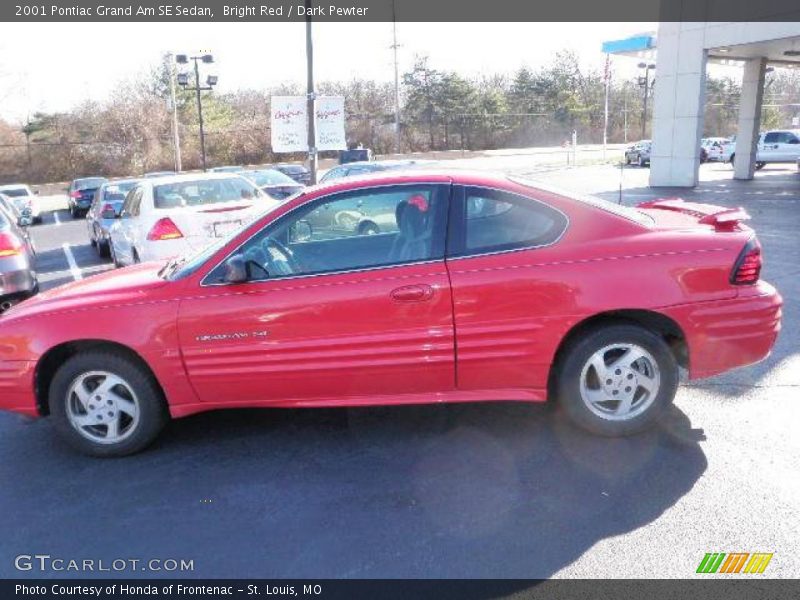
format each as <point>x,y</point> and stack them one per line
<point>201,192</point>
<point>188,264</point>
<point>89,184</point>
<point>620,210</point>
<point>16,192</point>
<point>270,177</point>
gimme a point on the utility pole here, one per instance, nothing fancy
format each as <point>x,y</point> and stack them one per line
<point>605,110</point>
<point>200,113</point>
<point>396,83</point>
<point>176,142</point>
<point>311,94</point>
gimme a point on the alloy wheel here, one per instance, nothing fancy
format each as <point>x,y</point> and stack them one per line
<point>102,407</point>
<point>620,381</point>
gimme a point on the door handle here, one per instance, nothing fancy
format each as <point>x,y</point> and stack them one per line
<point>412,293</point>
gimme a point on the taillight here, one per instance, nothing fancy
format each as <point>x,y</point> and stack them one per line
<point>164,229</point>
<point>75,194</point>
<point>747,268</point>
<point>9,245</point>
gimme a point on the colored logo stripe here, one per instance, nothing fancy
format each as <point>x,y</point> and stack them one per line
<point>758,563</point>
<point>734,562</point>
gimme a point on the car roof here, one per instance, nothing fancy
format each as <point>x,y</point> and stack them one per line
<point>13,186</point>
<point>121,181</point>
<point>189,177</point>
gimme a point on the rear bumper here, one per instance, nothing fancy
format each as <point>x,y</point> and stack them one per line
<point>728,334</point>
<point>17,277</point>
<point>16,387</point>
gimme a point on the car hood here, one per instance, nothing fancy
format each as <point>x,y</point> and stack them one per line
<point>121,286</point>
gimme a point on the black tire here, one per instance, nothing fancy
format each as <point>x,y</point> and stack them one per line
<point>73,213</point>
<point>102,248</point>
<point>733,158</point>
<point>627,160</point>
<point>368,228</point>
<point>570,369</point>
<point>760,165</point>
<point>153,414</point>
<point>641,161</point>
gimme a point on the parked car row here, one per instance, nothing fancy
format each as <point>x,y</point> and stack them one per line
<point>165,215</point>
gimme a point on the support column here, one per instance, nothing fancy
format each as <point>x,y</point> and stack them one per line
<point>679,106</point>
<point>744,164</point>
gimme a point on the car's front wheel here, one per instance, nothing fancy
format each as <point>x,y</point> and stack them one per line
<point>617,379</point>
<point>105,404</point>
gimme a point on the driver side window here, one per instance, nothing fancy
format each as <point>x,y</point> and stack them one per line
<point>349,231</point>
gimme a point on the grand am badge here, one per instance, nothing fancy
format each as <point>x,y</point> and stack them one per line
<point>239,335</point>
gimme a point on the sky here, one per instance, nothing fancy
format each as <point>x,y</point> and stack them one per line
<point>55,66</point>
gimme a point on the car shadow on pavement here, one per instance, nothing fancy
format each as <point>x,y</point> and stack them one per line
<point>493,490</point>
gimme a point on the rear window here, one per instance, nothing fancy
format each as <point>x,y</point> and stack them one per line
<point>88,184</point>
<point>116,192</point>
<point>271,177</point>
<point>201,192</point>
<point>293,169</point>
<point>16,192</point>
<point>620,210</point>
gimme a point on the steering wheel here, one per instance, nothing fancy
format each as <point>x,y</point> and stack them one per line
<point>285,263</point>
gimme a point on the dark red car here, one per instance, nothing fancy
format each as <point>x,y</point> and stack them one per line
<point>486,288</point>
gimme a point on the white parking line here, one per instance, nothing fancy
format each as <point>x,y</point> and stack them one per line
<point>56,218</point>
<point>73,266</point>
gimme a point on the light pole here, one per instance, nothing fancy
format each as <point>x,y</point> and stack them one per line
<point>645,82</point>
<point>312,96</point>
<point>396,83</point>
<point>211,81</point>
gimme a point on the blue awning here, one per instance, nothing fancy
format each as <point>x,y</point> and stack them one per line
<point>638,43</point>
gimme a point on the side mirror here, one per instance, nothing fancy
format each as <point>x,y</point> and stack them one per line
<point>301,232</point>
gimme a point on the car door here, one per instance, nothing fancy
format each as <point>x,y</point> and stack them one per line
<point>359,318</point>
<point>768,147</point>
<point>788,146</point>
<point>505,298</point>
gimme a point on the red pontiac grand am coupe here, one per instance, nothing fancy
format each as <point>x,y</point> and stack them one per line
<point>465,287</point>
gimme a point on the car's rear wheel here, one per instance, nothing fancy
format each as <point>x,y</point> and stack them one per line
<point>641,161</point>
<point>617,379</point>
<point>760,165</point>
<point>105,404</point>
<point>368,228</point>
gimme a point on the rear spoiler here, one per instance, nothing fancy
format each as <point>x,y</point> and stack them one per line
<point>723,219</point>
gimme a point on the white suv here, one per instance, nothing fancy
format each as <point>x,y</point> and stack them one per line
<point>172,216</point>
<point>776,146</point>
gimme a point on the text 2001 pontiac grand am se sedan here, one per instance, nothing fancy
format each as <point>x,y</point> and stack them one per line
<point>484,288</point>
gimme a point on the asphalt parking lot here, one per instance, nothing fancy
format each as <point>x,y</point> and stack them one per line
<point>481,490</point>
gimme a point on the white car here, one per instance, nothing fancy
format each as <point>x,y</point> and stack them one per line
<point>167,217</point>
<point>715,147</point>
<point>776,146</point>
<point>23,198</point>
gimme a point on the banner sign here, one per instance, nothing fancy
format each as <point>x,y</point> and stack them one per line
<point>330,123</point>
<point>289,124</point>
